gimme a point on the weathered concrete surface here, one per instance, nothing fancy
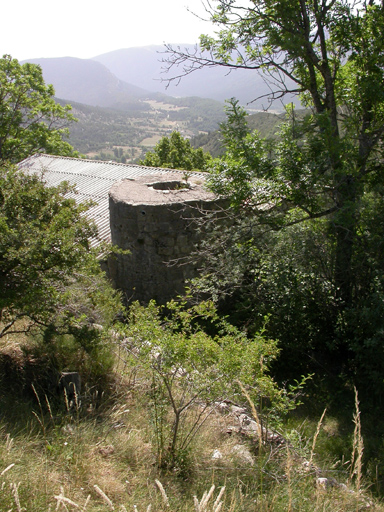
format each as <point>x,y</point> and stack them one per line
<point>153,217</point>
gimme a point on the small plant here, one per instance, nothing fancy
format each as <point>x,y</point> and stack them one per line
<point>195,359</point>
<point>104,497</point>
<point>186,176</point>
<point>358,447</point>
<point>162,492</point>
<point>63,501</point>
<point>203,504</point>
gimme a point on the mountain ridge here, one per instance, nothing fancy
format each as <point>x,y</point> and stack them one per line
<point>89,82</point>
<point>141,66</point>
<point>136,117</point>
<point>127,74</point>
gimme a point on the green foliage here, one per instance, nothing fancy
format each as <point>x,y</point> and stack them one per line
<point>324,55</point>
<point>282,257</point>
<point>306,247</point>
<point>197,359</point>
<point>317,186</point>
<point>246,159</point>
<point>253,272</point>
<point>175,152</point>
<point>265,123</point>
<point>30,119</point>
<point>49,276</point>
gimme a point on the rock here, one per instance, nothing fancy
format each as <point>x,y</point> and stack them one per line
<point>326,483</point>
<point>106,451</point>
<point>238,410</point>
<point>243,454</point>
<point>216,455</point>
<point>128,343</point>
<point>322,483</point>
<point>222,407</point>
<point>97,327</point>
<point>68,429</point>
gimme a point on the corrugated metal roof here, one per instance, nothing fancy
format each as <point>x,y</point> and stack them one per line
<point>93,180</point>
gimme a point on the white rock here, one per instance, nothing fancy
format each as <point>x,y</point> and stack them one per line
<point>217,455</point>
<point>326,483</point>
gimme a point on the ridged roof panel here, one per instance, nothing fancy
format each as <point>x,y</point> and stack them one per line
<point>93,180</point>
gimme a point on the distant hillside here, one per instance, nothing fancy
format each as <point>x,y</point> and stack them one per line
<point>89,82</point>
<point>125,135</point>
<point>143,67</point>
<point>121,121</point>
<point>119,78</point>
<point>265,122</point>
<point>109,134</point>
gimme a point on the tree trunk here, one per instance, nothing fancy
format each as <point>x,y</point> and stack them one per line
<point>344,223</point>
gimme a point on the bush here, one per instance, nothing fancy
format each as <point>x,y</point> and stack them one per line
<point>196,360</point>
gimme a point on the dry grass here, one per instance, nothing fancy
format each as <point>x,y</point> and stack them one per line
<point>101,457</point>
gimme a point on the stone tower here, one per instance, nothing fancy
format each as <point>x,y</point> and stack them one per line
<point>153,217</point>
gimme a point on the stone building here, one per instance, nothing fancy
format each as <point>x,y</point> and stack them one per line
<point>154,218</point>
<point>147,211</point>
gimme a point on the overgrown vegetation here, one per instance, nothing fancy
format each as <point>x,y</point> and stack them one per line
<point>49,274</point>
<point>306,208</point>
<point>192,370</point>
<point>169,402</point>
<point>107,449</point>
<point>266,124</point>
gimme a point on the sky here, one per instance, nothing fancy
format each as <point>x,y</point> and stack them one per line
<point>87,28</point>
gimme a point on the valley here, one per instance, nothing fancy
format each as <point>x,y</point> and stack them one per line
<point>125,135</point>
<point>124,108</point>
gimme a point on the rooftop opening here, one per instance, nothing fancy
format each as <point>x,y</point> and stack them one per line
<point>169,185</point>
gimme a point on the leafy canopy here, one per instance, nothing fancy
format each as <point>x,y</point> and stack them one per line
<point>175,152</point>
<point>48,273</point>
<point>299,254</point>
<point>30,119</point>
<point>319,183</point>
<point>329,54</point>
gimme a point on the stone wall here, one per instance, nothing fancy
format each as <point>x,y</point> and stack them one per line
<point>153,217</point>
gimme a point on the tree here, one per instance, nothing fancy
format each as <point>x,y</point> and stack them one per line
<point>330,53</point>
<point>320,182</point>
<point>49,276</point>
<point>280,261</point>
<point>30,119</point>
<point>175,152</point>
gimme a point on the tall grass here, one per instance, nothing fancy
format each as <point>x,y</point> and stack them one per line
<point>99,455</point>
<point>357,448</point>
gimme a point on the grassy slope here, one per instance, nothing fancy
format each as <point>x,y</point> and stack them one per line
<point>56,458</point>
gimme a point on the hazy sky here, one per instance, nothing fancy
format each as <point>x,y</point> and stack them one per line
<point>85,28</point>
